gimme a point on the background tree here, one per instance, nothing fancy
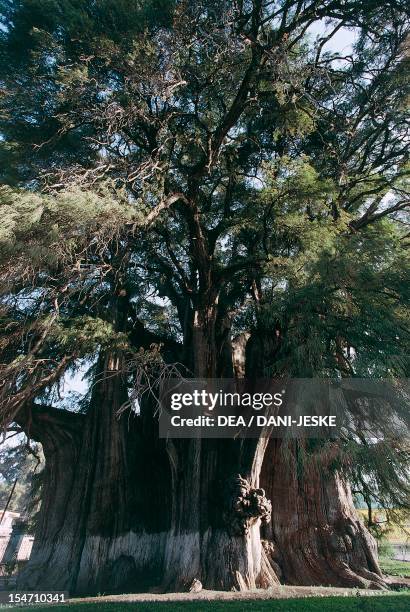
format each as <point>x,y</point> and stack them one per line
<point>202,189</point>
<point>20,483</point>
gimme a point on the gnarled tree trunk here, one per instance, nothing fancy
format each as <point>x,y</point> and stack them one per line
<point>105,504</point>
<point>218,510</point>
<point>217,504</point>
<point>315,535</point>
<point>56,547</point>
<point>124,511</point>
<point>122,547</point>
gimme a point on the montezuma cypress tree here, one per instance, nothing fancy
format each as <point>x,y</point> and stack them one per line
<point>199,187</point>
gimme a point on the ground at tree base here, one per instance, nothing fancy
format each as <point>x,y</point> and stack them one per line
<point>260,595</point>
<point>395,567</point>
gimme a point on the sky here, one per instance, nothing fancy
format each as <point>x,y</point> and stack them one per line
<point>341,42</point>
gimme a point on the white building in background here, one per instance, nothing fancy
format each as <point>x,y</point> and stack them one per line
<point>15,545</point>
<point>6,527</point>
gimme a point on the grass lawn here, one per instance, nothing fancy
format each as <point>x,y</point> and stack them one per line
<point>396,603</point>
<point>393,567</point>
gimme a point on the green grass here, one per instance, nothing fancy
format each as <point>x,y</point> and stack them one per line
<point>395,603</point>
<point>393,567</point>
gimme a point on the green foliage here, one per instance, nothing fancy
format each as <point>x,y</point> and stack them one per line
<point>379,471</point>
<point>87,335</point>
<point>49,231</point>
<point>342,295</point>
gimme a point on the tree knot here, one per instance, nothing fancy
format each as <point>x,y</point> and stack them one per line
<point>244,506</point>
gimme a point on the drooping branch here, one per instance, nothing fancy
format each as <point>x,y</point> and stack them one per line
<point>13,398</point>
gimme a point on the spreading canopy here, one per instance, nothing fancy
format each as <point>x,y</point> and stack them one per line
<point>211,165</point>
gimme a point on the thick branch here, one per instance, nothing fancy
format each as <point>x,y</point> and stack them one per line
<point>37,420</point>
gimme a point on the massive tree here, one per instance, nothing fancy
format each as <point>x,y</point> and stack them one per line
<point>199,188</point>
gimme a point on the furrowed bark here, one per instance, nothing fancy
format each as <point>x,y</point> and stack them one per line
<point>315,535</point>
<point>55,549</point>
<point>217,504</point>
<point>218,510</point>
<point>104,515</point>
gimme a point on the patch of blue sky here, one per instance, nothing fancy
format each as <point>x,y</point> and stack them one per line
<point>341,42</point>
